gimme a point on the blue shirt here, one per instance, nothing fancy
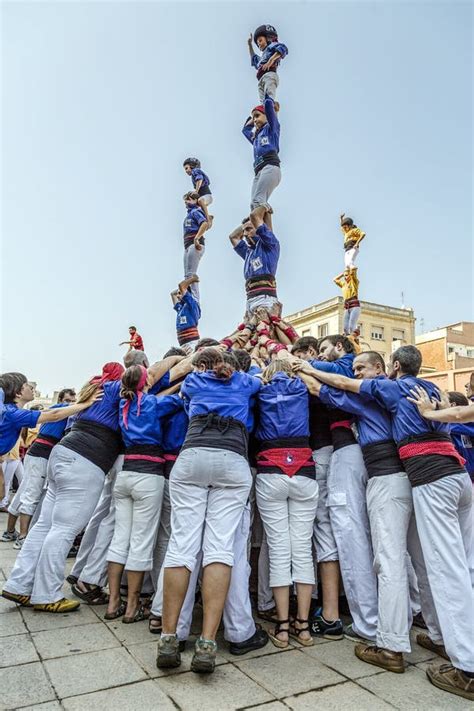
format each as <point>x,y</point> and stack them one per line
<point>105,412</point>
<point>267,139</point>
<point>146,428</point>
<point>54,429</point>
<point>463,439</point>
<point>198,174</point>
<point>13,421</point>
<point>193,220</point>
<point>373,421</point>
<point>188,312</point>
<point>283,406</point>
<point>175,427</point>
<point>392,394</point>
<point>206,393</point>
<point>341,366</point>
<point>263,257</point>
<point>160,384</point>
<point>268,52</point>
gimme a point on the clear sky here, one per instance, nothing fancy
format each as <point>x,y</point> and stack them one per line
<point>103,101</point>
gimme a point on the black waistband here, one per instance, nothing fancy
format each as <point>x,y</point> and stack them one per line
<point>261,285</point>
<point>99,444</point>
<point>284,442</point>
<point>319,432</point>
<point>204,190</point>
<point>189,240</point>
<point>381,458</point>
<point>217,432</point>
<point>427,468</point>
<point>349,244</point>
<point>145,459</point>
<point>40,449</point>
<point>270,158</point>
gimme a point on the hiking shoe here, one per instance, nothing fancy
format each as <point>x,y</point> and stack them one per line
<point>349,633</point>
<point>169,654</point>
<point>384,658</point>
<point>327,630</point>
<point>258,640</point>
<point>425,641</point>
<point>23,600</point>
<point>419,621</point>
<point>450,679</point>
<point>19,542</point>
<point>204,657</point>
<point>63,605</point>
<point>9,536</point>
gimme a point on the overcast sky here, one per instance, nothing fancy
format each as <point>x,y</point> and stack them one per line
<point>103,101</point>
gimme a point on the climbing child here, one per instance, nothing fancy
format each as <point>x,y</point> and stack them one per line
<point>194,227</point>
<point>188,313</point>
<point>353,236</point>
<point>349,283</point>
<point>262,129</point>
<point>266,39</point>
<point>201,185</point>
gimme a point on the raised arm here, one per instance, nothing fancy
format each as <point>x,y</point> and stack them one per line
<point>236,235</point>
<point>62,413</point>
<point>158,370</point>
<point>270,113</point>
<point>337,381</point>
<point>313,385</point>
<point>248,131</point>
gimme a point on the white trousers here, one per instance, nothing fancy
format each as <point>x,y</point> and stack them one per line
<point>91,561</point>
<point>267,86</point>
<point>74,489</point>
<point>208,491</point>
<point>443,511</point>
<point>347,482</point>
<point>390,509</point>
<point>287,506</point>
<point>350,257</point>
<point>31,488</point>
<point>323,537</point>
<point>138,499</point>
<point>10,468</point>
<point>162,540</point>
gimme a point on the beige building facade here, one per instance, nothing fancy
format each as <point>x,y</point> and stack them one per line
<point>382,328</point>
<point>448,355</point>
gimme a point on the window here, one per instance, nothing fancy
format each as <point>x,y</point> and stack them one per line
<point>470,352</point>
<point>306,332</point>
<point>377,333</point>
<point>450,349</point>
<point>323,330</point>
<point>361,329</point>
<point>398,334</point>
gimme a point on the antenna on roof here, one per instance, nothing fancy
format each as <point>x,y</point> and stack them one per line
<point>403,300</point>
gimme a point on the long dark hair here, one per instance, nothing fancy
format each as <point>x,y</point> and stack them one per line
<point>212,359</point>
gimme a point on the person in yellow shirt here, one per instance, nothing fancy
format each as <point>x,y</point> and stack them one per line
<point>353,236</point>
<point>349,284</point>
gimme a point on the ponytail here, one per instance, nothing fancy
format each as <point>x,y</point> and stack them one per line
<point>212,359</point>
<point>223,371</point>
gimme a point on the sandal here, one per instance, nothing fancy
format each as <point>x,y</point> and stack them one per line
<point>119,612</point>
<point>142,613</point>
<point>268,615</point>
<point>155,628</point>
<point>296,633</point>
<point>281,644</point>
<point>94,595</point>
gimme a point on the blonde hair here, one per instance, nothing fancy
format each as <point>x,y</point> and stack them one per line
<point>279,365</point>
<point>86,392</point>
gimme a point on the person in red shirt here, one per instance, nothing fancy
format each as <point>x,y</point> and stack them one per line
<point>135,342</point>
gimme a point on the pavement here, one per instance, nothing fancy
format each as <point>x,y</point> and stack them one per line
<point>78,661</point>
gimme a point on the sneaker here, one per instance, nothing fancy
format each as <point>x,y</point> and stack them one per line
<point>349,633</point>
<point>19,542</point>
<point>425,641</point>
<point>9,536</point>
<point>450,679</point>
<point>327,630</point>
<point>60,606</point>
<point>258,640</point>
<point>384,658</point>
<point>168,652</point>
<point>419,621</point>
<point>204,657</point>
<point>23,600</point>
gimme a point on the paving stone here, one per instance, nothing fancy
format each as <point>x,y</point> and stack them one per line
<point>412,692</point>
<point>289,673</point>
<point>272,706</point>
<point>84,673</point>
<point>335,698</point>
<point>40,621</point>
<point>340,656</point>
<point>18,649</point>
<point>224,690</point>
<point>145,654</point>
<point>419,654</point>
<point>48,706</point>
<point>74,640</point>
<point>24,684</point>
<point>269,648</point>
<point>144,695</point>
<point>135,633</point>
<point>12,623</point>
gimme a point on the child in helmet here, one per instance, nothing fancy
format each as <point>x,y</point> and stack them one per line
<point>262,129</point>
<point>201,184</point>
<point>353,236</point>
<point>266,39</point>
<point>349,284</point>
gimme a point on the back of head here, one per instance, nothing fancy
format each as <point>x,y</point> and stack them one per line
<point>133,379</point>
<point>229,357</point>
<point>374,358</point>
<point>304,343</point>
<point>409,359</point>
<point>244,359</point>
<point>11,384</point>
<point>212,359</point>
<point>66,391</point>
<point>339,339</point>
<point>457,399</point>
<point>174,352</point>
<point>206,343</point>
<point>279,365</point>
<point>135,358</point>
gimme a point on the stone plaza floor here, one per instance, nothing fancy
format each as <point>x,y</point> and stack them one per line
<point>78,661</point>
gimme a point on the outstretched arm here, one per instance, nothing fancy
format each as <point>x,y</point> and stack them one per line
<point>429,408</point>
<point>337,381</point>
<point>158,370</point>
